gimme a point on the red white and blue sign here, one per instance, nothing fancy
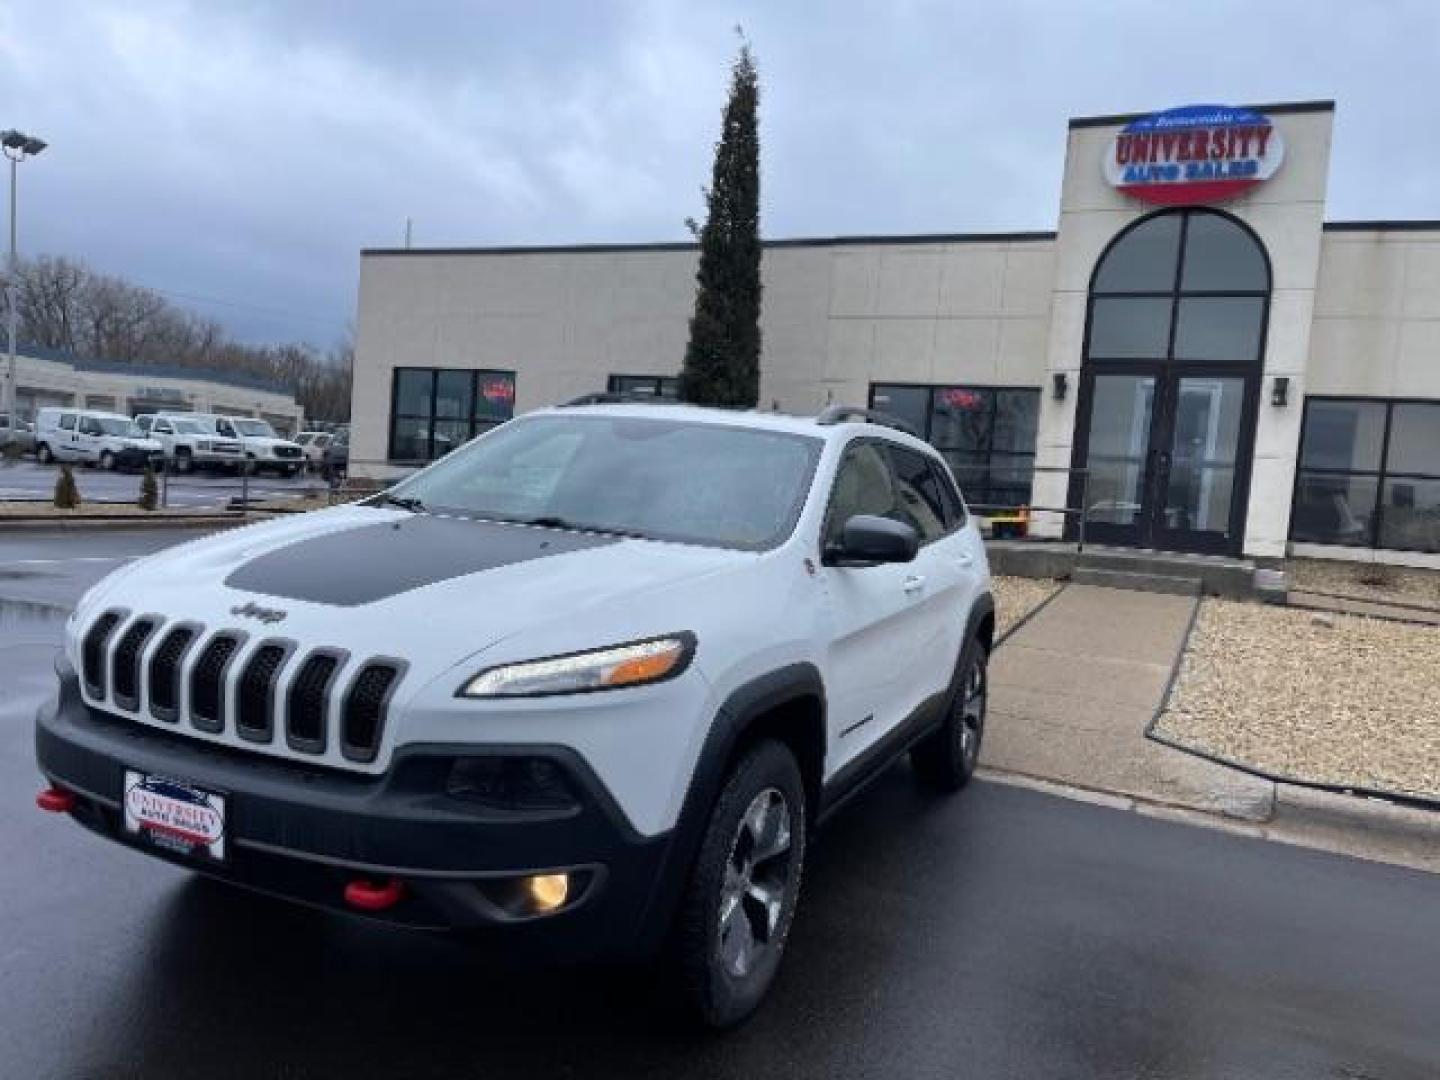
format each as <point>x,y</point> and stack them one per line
<point>1194,154</point>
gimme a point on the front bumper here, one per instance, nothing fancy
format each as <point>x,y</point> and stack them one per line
<point>303,833</point>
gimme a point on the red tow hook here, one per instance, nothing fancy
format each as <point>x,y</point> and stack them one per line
<point>55,800</point>
<point>370,896</point>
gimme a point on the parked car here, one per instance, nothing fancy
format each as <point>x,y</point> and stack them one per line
<point>264,450</point>
<point>109,440</point>
<point>586,686</point>
<point>314,444</point>
<point>21,433</point>
<point>190,441</point>
<point>336,462</point>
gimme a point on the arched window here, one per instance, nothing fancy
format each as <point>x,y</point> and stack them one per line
<point>1187,285</point>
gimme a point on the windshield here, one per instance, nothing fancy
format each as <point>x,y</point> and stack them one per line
<point>659,479</point>
<point>255,427</point>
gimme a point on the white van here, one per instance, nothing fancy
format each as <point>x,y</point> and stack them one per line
<point>109,440</point>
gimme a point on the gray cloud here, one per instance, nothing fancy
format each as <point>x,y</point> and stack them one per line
<point>247,153</point>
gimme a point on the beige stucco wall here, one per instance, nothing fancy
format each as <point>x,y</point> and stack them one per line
<point>1377,314</point>
<point>835,318</point>
<point>64,384</point>
<point>1286,212</point>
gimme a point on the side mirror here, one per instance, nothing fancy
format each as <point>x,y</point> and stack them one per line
<point>867,539</point>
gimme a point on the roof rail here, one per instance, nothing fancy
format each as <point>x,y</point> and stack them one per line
<point>610,397</point>
<point>841,414</point>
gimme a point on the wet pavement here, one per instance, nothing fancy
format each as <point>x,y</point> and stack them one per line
<point>1003,933</point>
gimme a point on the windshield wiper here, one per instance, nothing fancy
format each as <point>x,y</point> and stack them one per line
<point>552,521</point>
<point>405,502</point>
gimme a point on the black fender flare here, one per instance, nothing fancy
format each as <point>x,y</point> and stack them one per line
<point>735,716</point>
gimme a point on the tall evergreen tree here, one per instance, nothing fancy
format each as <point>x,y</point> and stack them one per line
<point>722,360</point>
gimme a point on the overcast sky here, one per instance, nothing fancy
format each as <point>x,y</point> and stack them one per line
<point>239,155</point>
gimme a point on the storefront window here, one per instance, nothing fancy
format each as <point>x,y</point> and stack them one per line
<point>1369,474</point>
<point>435,410</point>
<point>987,434</point>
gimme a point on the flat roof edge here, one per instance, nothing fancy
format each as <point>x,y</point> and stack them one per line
<point>1276,109</point>
<point>796,242</point>
<point>1413,225</point>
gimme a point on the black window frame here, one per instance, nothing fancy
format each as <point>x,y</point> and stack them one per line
<point>620,383</point>
<point>992,456</point>
<point>1381,475</point>
<point>474,424</point>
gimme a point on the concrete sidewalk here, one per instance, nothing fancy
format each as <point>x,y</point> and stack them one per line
<point>1072,691</point>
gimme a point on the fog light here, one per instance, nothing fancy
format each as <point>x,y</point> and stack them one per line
<point>547,891</point>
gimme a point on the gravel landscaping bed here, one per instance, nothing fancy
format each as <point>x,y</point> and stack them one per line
<point>1366,581</point>
<point>99,509</point>
<point>1336,699</point>
<point>1016,597</point>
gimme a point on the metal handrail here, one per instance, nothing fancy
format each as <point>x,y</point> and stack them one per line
<point>1082,510</point>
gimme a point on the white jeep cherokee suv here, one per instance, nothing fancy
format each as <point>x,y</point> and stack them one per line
<point>586,686</point>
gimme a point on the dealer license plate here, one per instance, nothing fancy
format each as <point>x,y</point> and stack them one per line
<point>175,816</point>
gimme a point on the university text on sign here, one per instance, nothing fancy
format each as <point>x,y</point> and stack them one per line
<point>1194,154</point>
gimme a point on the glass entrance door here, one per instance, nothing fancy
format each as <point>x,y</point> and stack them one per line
<point>1165,453</point>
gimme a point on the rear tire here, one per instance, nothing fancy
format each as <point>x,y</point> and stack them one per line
<point>946,760</point>
<point>735,916</point>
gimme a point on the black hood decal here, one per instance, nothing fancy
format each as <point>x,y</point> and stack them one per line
<point>374,562</point>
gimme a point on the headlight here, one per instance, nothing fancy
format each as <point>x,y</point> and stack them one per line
<point>632,664</point>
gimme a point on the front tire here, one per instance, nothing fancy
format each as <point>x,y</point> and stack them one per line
<point>107,460</point>
<point>735,916</point>
<point>946,760</point>
<point>43,454</point>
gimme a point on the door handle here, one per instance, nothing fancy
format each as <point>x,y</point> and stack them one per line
<point>964,560</point>
<point>913,584</point>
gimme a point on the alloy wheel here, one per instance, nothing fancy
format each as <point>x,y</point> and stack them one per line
<point>970,710</point>
<point>757,884</point>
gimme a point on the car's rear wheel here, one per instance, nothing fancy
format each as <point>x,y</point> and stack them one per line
<point>735,916</point>
<point>946,760</point>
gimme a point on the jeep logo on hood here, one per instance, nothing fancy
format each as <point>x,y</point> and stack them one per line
<point>253,610</point>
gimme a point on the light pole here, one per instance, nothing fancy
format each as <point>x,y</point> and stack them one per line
<point>18,146</point>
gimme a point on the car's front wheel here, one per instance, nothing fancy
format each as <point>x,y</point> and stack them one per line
<point>43,454</point>
<point>735,917</point>
<point>946,760</point>
<point>107,460</point>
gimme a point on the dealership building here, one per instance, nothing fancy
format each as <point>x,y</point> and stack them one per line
<point>1195,360</point>
<point>53,377</point>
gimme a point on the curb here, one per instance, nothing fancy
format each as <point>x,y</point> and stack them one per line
<point>97,522</point>
<point>1369,829</point>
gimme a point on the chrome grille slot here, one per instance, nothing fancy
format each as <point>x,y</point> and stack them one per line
<point>125,664</point>
<point>164,688</point>
<point>207,682</point>
<point>255,693</point>
<point>362,718</point>
<point>308,702</point>
<point>93,652</point>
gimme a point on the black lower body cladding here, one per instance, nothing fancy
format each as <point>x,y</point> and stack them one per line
<point>303,833</point>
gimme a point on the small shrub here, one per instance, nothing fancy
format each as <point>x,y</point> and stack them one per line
<point>149,490</point>
<point>67,495</point>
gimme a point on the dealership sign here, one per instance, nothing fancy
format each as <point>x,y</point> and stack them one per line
<point>1194,154</point>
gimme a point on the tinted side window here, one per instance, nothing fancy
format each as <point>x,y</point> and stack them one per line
<point>863,485</point>
<point>949,497</point>
<point>67,421</point>
<point>918,499</point>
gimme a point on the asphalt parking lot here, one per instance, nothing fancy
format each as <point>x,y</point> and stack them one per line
<point>1003,933</point>
<point>31,480</point>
